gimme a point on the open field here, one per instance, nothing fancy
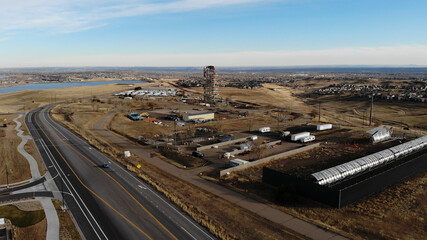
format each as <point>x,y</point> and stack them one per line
<point>219,216</point>
<point>18,167</point>
<point>30,99</point>
<point>396,213</point>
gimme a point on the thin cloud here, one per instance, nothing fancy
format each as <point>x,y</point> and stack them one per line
<point>80,15</point>
<point>398,55</point>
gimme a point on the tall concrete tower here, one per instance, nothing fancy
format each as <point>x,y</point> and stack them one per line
<point>210,91</point>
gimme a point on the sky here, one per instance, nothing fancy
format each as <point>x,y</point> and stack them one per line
<point>74,33</point>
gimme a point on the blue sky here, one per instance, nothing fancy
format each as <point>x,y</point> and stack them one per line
<point>36,33</point>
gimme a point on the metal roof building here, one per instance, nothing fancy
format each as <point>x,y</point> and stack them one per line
<point>366,163</point>
<point>380,133</point>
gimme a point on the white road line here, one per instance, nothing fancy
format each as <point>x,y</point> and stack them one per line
<point>140,181</point>
<point>188,233</point>
<point>154,193</point>
<point>50,155</point>
<point>44,117</point>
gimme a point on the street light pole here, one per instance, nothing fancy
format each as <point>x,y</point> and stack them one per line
<point>62,193</point>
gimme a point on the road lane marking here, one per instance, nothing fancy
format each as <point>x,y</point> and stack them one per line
<point>90,190</point>
<point>50,156</point>
<point>121,186</point>
<point>188,233</point>
<point>54,127</point>
<point>142,183</point>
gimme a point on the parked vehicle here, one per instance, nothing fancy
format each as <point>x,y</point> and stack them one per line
<point>198,154</point>
<point>264,129</point>
<point>308,139</point>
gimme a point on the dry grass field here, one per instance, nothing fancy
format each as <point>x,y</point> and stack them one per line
<point>396,213</point>
<point>17,165</point>
<point>223,218</point>
<point>30,99</point>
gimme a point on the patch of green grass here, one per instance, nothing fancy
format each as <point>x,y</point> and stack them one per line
<point>21,218</point>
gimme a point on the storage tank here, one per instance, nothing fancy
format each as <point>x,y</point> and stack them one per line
<point>322,127</point>
<point>298,136</point>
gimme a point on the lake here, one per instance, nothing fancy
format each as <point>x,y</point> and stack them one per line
<point>39,86</point>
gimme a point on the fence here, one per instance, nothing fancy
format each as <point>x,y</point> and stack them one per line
<point>268,159</point>
<point>350,191</point>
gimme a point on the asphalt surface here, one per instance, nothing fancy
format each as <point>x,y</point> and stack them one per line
<point>107,203</point>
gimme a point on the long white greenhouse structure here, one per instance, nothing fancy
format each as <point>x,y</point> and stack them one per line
<point>366,163</point>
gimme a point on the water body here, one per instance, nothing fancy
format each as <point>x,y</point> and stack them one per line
<point>2,76</point>
<point>39,86</point>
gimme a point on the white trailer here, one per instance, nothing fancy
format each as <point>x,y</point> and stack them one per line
<point>237,162</point>
<point>308,139</point>
<point>298,136</point>
<point>322,127</point>
<point>264,129</point>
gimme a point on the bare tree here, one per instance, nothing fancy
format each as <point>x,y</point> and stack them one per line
<point>258,150</point>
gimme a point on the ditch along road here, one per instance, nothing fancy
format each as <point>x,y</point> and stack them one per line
<point>192,176</point>
<point>106,203</point>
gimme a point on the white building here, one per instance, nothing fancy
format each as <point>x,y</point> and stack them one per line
<point>199,116</point>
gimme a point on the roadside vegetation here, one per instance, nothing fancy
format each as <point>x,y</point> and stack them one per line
<point>221,217</point>
<point>67,229</point>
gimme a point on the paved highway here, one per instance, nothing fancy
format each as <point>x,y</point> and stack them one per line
<point>107,203</point>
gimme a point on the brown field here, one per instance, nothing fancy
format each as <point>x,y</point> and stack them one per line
<point>18,167</point>
<point>36,231</point>
<point>221,217</point>
<point>30,99</point>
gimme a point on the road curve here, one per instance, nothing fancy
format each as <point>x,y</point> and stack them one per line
<point>106,203</point>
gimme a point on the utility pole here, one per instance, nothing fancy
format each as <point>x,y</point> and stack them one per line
<point>7,177</point>
<point>372,109</point>
<point>174,125</point>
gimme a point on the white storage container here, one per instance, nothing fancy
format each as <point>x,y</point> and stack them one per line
<point>298,136</point>
<point>322,127</point>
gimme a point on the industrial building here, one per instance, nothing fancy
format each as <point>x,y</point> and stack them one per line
<point>199,116</point>
<point>349,182</point>
<point>367,163</point>
<point>380,133</point>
